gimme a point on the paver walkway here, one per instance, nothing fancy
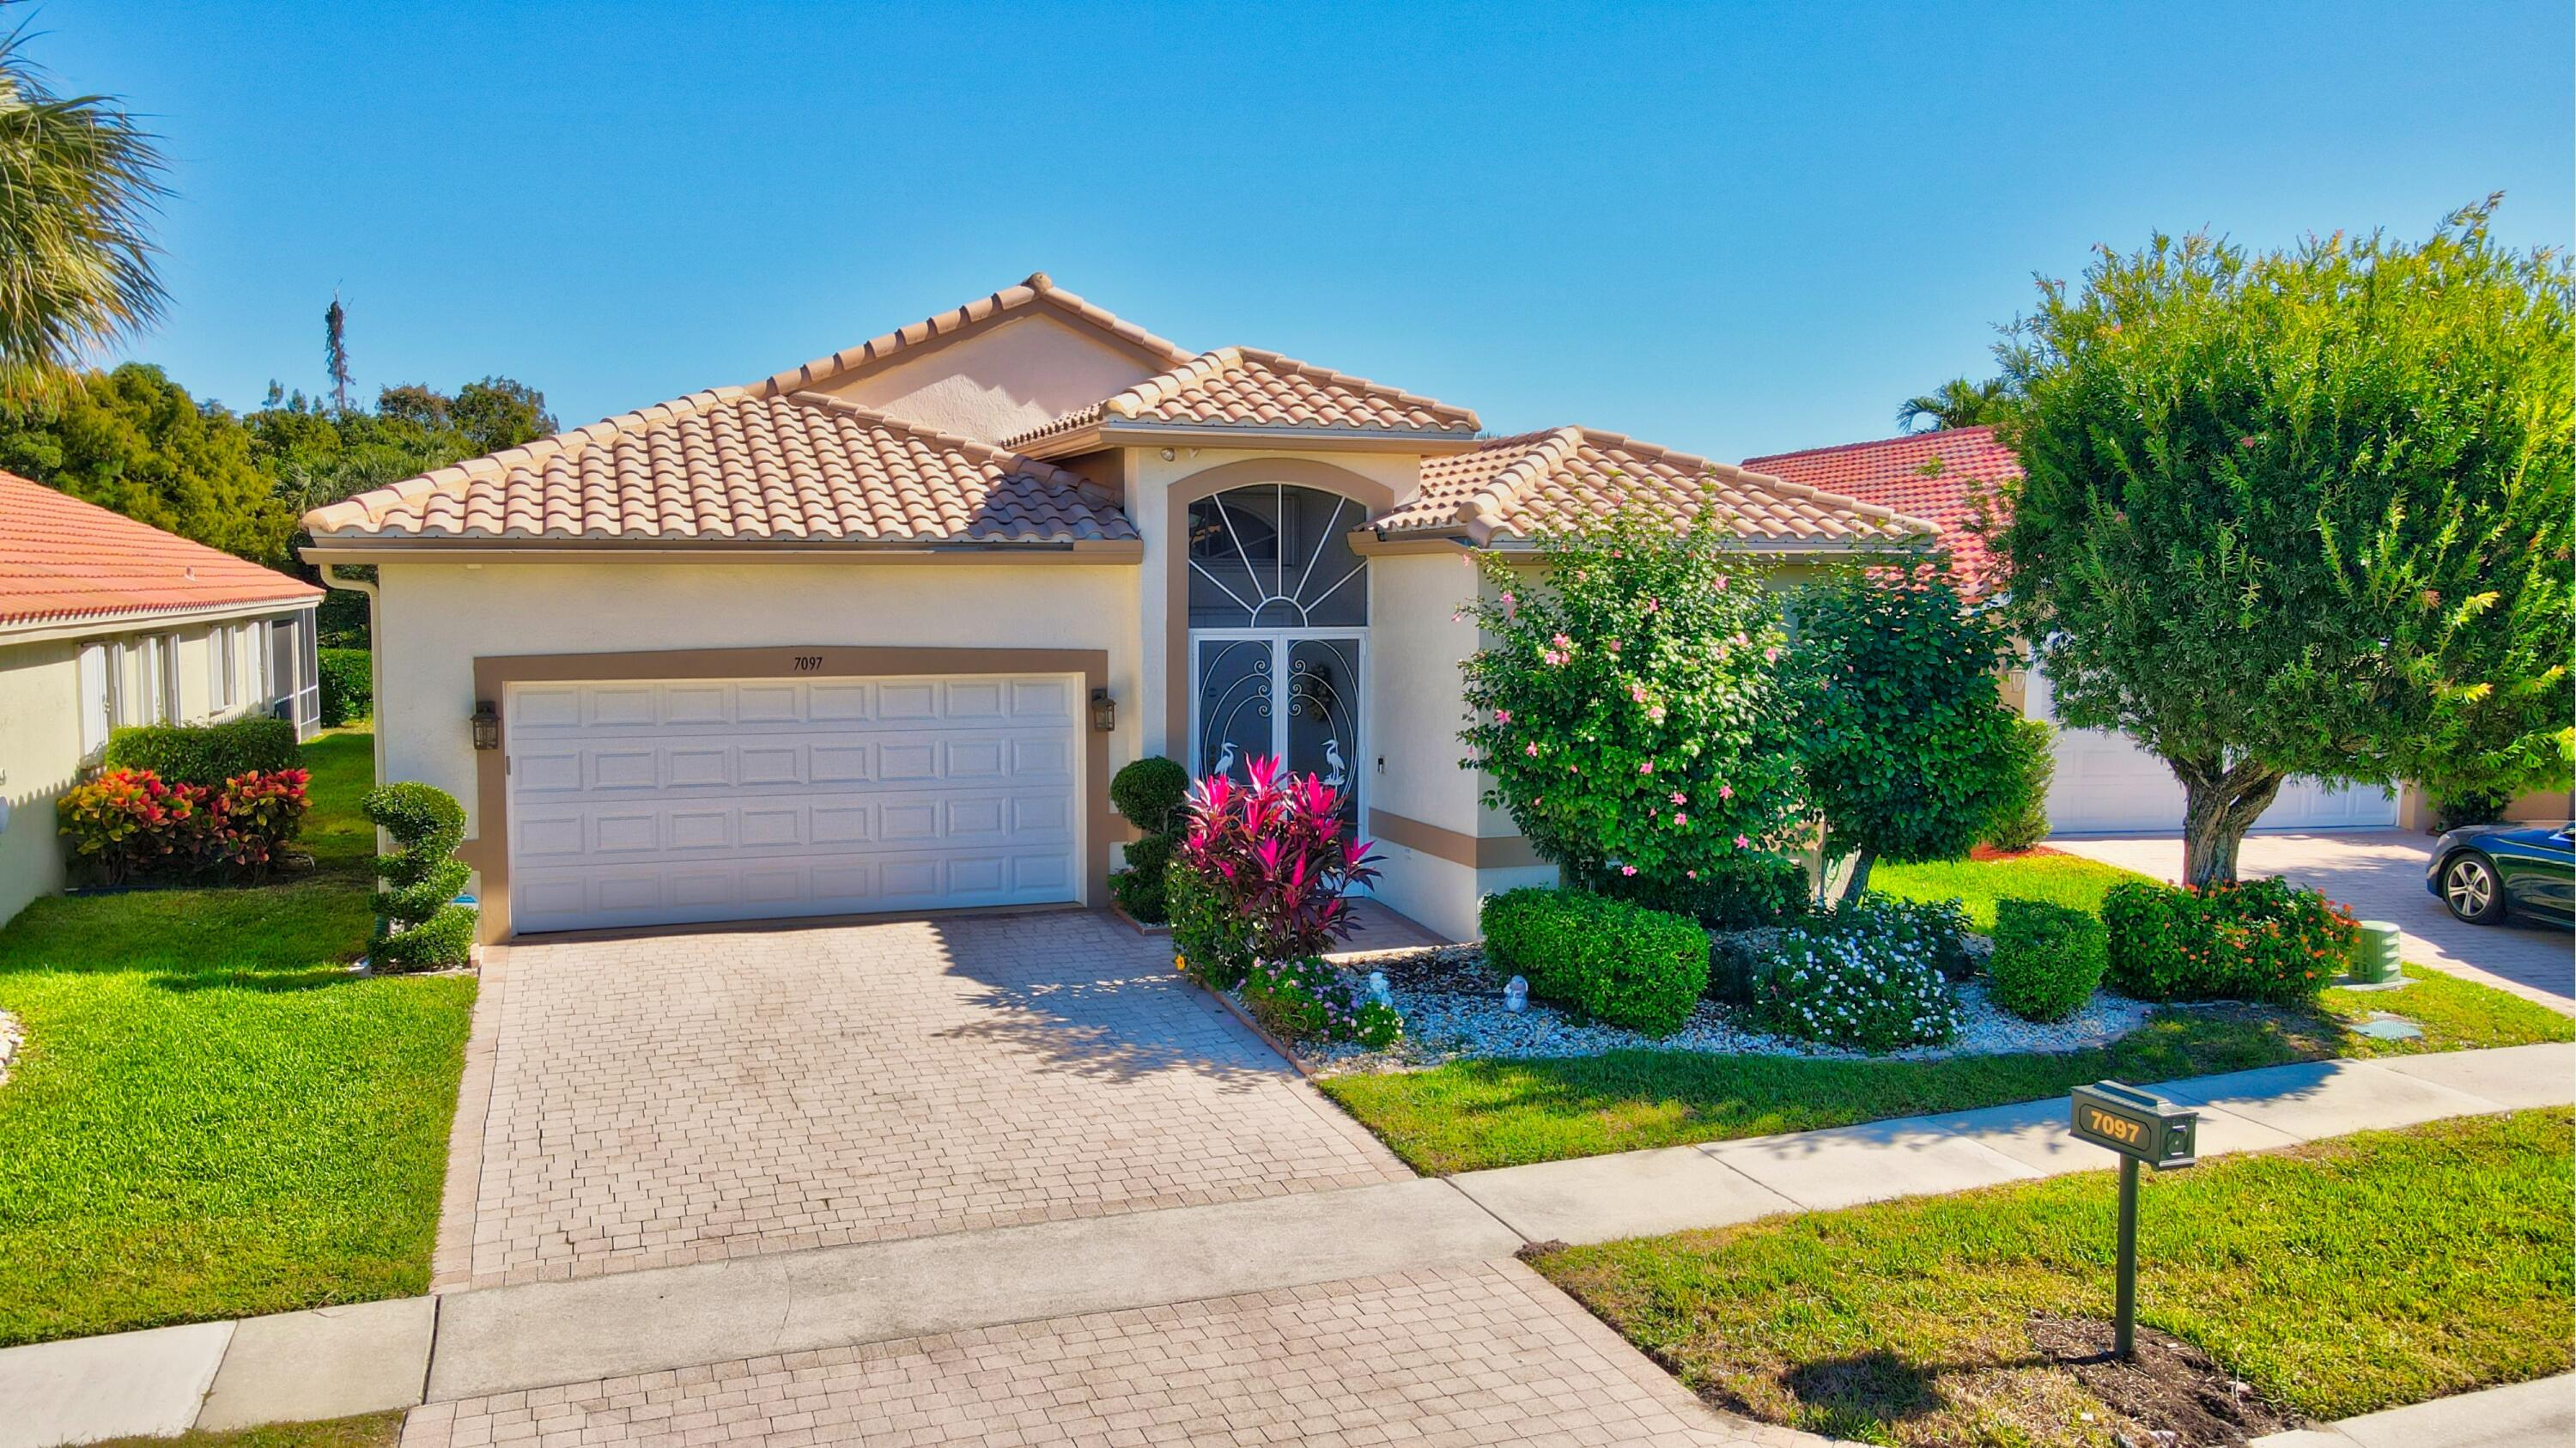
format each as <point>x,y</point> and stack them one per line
<point>1144,1323</point>
<point>679,1098</point>
<point>2380,874</point>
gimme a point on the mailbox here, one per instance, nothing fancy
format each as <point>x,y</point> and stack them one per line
<point>2136,1124</point>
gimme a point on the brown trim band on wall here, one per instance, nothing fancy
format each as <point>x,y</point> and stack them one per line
<point>489,852</point>
<point>1476,852</point>
<point>1377,497</point>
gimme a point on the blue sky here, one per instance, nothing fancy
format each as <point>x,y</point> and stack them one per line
<point>1729,229</point>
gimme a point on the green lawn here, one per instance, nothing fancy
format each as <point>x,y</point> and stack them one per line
<point>211,1116</point>
<point>373,1430</point>
<point>2068,880</point>
<point>2337,1278</point>
<point>343,765</point>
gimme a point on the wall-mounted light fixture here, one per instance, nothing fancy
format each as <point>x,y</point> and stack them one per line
<point>487,725</point>
<point>1104,711</point>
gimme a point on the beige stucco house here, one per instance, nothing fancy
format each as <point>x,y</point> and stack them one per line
<point>106,622</point>
<point>873,633</point>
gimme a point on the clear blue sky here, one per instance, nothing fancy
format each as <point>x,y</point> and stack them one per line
<point>1730,229</point>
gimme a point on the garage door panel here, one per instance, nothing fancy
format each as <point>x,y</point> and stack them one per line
<point>974,760</point>
<point>614,708</point>
<point>697,767</point>
<point>772,826</point>
<point>844,823</point>
<point>626,768</point>
<point>701,829</point>
<point>546,708</point>
<point>974,699</point>
<point>547,771</point>
<point>836,763</point>
<point>1034,700</point>
<point>696,704</point>
<point>626,833</point>
<point>769,765</point>
<point>907,762</point>
<point>839,703</point>
<point>913,701</point>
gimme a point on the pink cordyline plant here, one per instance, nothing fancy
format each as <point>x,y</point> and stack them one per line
<point>1277,849</point>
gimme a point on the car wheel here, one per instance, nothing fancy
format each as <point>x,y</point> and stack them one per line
<point>2471,890</point>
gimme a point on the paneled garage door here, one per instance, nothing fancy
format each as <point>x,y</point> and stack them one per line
<point>2106,784</point>
<point>668,802</point>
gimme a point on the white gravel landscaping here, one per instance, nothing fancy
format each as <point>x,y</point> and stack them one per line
<point>1453,1010</point>
<point>11,1037</point>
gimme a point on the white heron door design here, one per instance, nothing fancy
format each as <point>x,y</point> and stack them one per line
<point>1278,607</point>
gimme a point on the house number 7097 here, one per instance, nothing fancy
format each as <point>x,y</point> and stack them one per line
<point>808,663</point>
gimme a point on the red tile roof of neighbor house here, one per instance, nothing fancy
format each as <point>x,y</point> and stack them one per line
<point>1947,477</point>
<point>63,559</point>
<point>777,462</point>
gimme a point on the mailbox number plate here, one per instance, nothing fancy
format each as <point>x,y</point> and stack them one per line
<point>2134,1123</point>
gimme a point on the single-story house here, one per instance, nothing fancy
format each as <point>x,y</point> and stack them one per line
<point>872,634</point>
<point>2105,783</point>
<point>106,622</point>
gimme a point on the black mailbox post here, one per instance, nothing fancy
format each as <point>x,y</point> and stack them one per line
<point>2142,1128</point>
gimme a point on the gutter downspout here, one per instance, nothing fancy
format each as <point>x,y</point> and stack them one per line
<point>331,577</point>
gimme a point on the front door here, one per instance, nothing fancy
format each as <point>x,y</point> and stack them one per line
<point>1290,696</point>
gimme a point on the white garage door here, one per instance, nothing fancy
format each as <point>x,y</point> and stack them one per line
<point>669,802</point>
<point>2108,785</point>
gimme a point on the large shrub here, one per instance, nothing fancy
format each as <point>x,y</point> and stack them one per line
<point>1609,959</point>
<point>348,686</point>
<point>1624,707</point>
<point>1854,988</point>
<point>2021,821</point>
<point>1150,793</point>
<point>1308,1000</point>
<point>128,825</point>
<point>419,925</point>
<point>2263,940</point>
<point>205,754</point>
<point>2048,959</point>
<point>1755,890</point>
<point>1271,865</point>
<point>1903,743</point>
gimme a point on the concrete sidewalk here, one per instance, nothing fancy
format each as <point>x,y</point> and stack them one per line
<point>2536,1414</point>
<point>500,1341</point>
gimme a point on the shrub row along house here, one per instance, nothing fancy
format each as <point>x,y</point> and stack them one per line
<point>107,623</point>
<point>873,633</point>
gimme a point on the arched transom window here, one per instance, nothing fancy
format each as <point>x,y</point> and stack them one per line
<point>1275,556</point>
<point>1278,607</point>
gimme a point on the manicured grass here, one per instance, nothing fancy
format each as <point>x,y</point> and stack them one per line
<point>373,1430</point>
<point>343,766</point>
<point>2337,1278</point>
<point>211,1117</point>
<point>2068,880</point>
<point>1468,1115</point>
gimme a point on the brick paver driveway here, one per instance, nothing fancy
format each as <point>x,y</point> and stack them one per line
<point>687,1097</point>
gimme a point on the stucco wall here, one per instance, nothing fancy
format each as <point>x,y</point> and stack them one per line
<point>433,620</point>
<point>39,753</point>
<point>994,384</point>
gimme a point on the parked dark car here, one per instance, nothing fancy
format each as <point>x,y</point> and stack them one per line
<point>2485,872</point>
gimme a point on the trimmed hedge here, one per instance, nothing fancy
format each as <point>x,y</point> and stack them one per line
<point>206,754</point>
<point>348,686</point>
<point>2023,822</point>
<point>419,925</point>
<point>1149,792</point>
<point>1611,960</point>
<point>2048,959</point>
<point>2261,940</point>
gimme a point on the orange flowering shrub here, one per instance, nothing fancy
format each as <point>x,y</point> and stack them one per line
<point>2261,940</point>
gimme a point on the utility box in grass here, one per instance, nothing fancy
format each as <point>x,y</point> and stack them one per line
<point>2374,953</point>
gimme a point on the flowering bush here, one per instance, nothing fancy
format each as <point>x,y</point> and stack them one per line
<point>1624,707</point>
<point>1939,927</point>
<point>1262,872</point>
<point>1856,989</point>
<point>2263,940</point>
<point>1307,1000</point>
<point>130,824</point>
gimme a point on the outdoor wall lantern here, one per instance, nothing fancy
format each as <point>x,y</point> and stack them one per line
<point>487,725</point>
<point>1104,711</point>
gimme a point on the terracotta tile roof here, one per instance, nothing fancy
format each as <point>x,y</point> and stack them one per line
<point>729,465</point>
<point>61,558</point>
<point>1246,387</point>
<point>1516,486</point>
<point>1940,476</point>
<point>1039,289</point>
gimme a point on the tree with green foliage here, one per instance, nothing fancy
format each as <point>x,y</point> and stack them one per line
<point>1903,743</point>
<point>320,454</point>
<point>1956,403</point>
<point>134,441</point>
<point>79,181</point>
<point>2305,513</point>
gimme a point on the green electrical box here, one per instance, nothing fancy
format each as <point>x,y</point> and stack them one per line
<point>2374,953</point>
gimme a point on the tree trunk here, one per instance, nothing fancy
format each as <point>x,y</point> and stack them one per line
<point>2220,803</point>
<point>1858,884</point>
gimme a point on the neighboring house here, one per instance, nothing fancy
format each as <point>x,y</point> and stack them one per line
<point>2105,783</point>
<point>873,633</point>
<point>106,622</point>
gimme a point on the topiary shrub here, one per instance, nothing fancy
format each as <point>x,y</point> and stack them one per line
<point>2048,959</point>
<point>1609,959</point>
<point>419,925</point>
<point>1308,1000</point>
<point>348,685</point>
<point>1855,989</point>
<point>1150,793</point>
<point>2262,940</point>
<point>204,754</point>
<point>2022,821</point>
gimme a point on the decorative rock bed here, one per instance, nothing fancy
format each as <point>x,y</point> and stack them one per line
<point>12,1035</point>
<point>1453,1010</point>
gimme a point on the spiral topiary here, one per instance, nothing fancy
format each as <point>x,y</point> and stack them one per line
<point>1149,792</point>
<point>419,925</point>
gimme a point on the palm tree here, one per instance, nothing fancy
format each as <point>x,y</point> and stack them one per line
<point>79,182</point>
<point>1958,403</point>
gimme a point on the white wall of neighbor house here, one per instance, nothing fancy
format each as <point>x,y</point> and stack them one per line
<point>997,383</point>
<point>434,619</point>
<point>40,753</point>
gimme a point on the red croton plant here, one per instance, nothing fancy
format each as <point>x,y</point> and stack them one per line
<point>127,824</point>
<point>1280,852</point>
